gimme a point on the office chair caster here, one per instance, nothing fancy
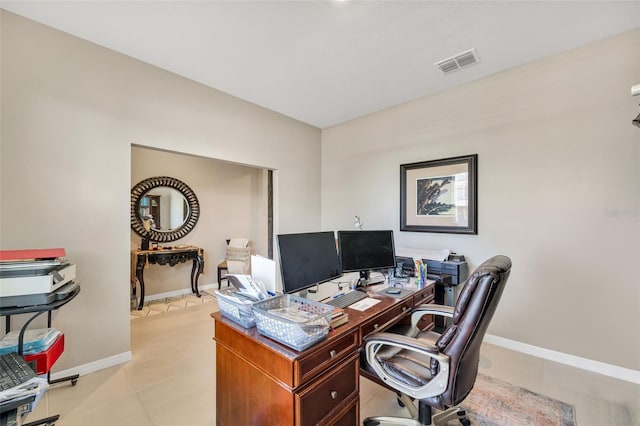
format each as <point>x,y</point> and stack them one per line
<point>462,417</point>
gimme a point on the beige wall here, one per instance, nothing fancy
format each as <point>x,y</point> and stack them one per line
<point>558,189</point>
<point>71,111</point>
<point>558,177</point>
<point>232,202</point>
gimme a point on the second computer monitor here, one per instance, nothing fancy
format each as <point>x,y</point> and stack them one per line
<point>365,251</point>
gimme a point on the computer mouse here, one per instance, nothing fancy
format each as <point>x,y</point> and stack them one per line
<point>393,291</point>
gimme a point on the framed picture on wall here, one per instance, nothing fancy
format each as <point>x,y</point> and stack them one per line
<point>440,195</point>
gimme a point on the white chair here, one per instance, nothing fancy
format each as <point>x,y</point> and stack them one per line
<point>237,258</point>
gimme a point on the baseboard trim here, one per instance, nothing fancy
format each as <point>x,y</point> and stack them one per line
<point>125,356</point>
<point>176,293</point>
<point>590,365</point>
<point>597,367</point>
<point>94,366</point>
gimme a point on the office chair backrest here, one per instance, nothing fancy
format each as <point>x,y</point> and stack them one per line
<point>461,341</point>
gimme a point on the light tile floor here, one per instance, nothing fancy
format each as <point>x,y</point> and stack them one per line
<point>171,381</point>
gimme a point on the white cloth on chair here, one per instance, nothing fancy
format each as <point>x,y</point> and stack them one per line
<point>238,242</point>
<point>238,256</point>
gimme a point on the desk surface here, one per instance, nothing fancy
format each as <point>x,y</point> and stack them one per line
<point>356,320</point>
<point>260,381</point>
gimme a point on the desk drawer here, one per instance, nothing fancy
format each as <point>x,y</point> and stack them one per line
<point>387,318</point>
<point>321,397</point>
<point>424,296</point>
<point>325,357</point>
<point>348,416</point>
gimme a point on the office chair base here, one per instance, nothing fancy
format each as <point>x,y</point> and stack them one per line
<point>381,420</point>
<point>405,401</point>
<point>453,413</point>
<point>440,419</point>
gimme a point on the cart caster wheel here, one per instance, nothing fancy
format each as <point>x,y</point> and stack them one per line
<point>73,383</point>
<point>465,422</point>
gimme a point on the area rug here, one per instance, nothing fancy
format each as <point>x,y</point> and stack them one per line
<point>493,402</point>
<point>160,306</point>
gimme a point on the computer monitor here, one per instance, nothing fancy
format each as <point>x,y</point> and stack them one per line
<point>365,251</point>
<point>308,259</point>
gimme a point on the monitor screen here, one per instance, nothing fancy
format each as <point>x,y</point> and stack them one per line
<point>366,250</point>
<point>308,259</point>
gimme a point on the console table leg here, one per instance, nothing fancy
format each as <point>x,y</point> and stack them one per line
<point>139,276</point>
<point>193,276</point>
<point>198,262</point>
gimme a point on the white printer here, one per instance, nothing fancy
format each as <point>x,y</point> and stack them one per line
<point>25,282</point>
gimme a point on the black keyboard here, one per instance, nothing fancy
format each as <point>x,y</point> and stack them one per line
<point>14,371</point>
<point>347,299</point>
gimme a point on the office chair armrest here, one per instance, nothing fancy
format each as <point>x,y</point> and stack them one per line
<point>375,342</point>
<point>429,309</point>
<point>402,341</point>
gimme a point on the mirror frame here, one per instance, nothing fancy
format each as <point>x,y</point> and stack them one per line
<point>142,187</point>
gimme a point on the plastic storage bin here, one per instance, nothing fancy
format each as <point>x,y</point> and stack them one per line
<point>293,321</point>
<point>235,308</point>
<point>43,361</point>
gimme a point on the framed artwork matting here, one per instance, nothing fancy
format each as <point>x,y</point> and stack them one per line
<point>440,195</point>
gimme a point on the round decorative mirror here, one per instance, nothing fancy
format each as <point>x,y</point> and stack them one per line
<point>163,209</point>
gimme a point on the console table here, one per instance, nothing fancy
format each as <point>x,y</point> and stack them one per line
<point>171,257</point>
<point>261,382</point>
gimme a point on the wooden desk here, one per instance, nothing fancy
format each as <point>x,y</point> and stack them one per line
<point>261,382</point>
<point>169,257</point>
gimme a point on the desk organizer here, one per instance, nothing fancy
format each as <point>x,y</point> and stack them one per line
<point>235,308</point>
<point>293,321</point>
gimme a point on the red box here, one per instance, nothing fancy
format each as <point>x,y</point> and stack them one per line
<point>31,254</point>
<point>45,360</point>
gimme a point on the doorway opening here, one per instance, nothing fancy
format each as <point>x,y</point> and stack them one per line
<point>235,200</point>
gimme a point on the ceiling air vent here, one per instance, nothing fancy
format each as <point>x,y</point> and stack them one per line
<point>461,60</point>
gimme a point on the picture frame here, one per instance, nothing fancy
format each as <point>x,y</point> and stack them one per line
<point>440,196</point>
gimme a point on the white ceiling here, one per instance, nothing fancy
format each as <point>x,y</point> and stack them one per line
<point>326,62</point>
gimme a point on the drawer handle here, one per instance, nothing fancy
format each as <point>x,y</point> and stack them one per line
<point>405,308</point>
<point>332,353</point>
<point>375,326</point>
<point>334,394</point>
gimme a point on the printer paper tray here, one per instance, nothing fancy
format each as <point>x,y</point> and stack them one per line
<point>37,299</point>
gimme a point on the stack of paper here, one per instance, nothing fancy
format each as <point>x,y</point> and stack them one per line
<point>35,341</point>
<point>35,386</point>
<point>338,317</point>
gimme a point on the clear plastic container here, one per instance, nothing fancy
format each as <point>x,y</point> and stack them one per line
<point>236,308</point>
<point>293,321</point>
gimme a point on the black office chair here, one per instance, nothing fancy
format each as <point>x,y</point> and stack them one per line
<point>437,370</point>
